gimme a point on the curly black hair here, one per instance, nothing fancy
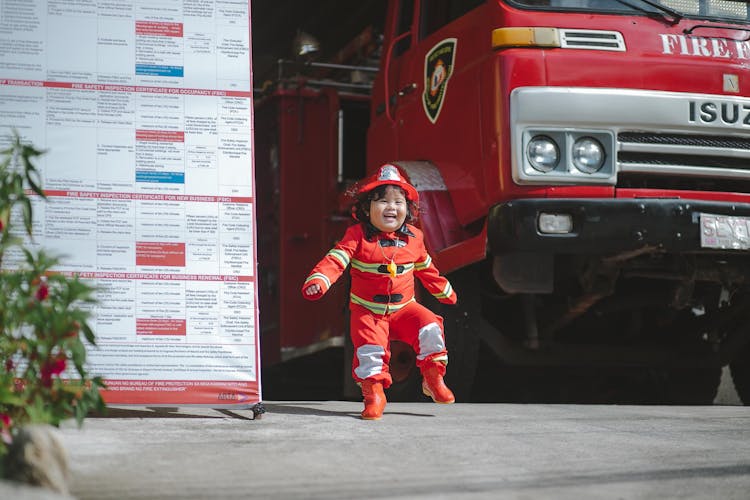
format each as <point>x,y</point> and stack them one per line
<point>362,208</point>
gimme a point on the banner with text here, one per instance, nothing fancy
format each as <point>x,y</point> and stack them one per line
<point>145,110</point>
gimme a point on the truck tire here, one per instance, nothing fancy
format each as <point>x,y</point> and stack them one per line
<point>463,350</point>
<point>740,370</point>
<point>462,339</point>
<point>461,322</point>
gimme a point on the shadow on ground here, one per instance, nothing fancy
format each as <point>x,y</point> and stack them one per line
<point>320,377</point>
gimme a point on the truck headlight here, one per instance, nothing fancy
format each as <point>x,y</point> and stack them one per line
<point>543,153</point>
<point>563,155</point>
<point>588,155</point>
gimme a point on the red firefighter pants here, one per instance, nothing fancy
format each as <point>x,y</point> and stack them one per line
<point>413,324</point>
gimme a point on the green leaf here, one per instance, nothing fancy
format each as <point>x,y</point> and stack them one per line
<point>34,331</point>
<point>32,178</point>
<point>27,214</point>
<point>78,352</point>
<point>38,411</point>
<point>9,398</point>
<point>88,333</point>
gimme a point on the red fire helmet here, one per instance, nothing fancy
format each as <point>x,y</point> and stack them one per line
<point>390,174</point>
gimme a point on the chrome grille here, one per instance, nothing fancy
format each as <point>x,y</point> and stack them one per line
<point>701,162</point>
<point>703,141</point>
<point>592,39</point>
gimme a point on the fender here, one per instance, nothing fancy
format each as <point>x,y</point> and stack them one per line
<point>449,243</point>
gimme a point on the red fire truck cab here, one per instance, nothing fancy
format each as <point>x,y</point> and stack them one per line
<point>584,176</point>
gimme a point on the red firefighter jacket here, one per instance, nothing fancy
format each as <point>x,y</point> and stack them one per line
<point>378,285</point>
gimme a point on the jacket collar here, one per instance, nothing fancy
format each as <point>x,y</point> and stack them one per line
<point>371,231</point>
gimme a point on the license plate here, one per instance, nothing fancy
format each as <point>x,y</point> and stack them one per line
<point>725,231</point>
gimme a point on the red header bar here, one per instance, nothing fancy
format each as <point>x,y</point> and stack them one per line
<point>158,29</point>
<point>125,88</point>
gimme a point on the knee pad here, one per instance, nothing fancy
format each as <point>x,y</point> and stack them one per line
<point>430,340</point>
<point>370,360</point>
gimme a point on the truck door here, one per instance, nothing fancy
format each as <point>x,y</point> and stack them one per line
<point>384,129</point>
<point>440,31</point>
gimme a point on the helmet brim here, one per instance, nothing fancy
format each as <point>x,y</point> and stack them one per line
<point>411,192</point>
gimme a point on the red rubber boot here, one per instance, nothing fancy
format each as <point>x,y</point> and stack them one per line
<point>374,400</point>
<point>433,385</point>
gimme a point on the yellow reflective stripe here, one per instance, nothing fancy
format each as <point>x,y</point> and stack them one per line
<point>447,291</point>
<point>421,266</point>
<point>372,306</point>
<point>373,268</point>
<point>364,267</point>
<point>377,307</point>
<point>320,276</point>
<point>340,256</point>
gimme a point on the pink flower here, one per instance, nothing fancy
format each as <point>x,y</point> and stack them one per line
<point>52,367</point>
<point>42,292</point>
<point>19,385</point>
<point>5,431</point>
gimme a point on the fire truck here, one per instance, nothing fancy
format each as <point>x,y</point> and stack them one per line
<point>584,177</point>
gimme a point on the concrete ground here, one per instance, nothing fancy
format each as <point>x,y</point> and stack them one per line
<point>418,450</point>
<point>321,449</point>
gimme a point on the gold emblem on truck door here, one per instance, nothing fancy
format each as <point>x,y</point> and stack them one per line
<point>438,68</point>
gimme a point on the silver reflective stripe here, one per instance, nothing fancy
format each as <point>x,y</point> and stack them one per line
<point>319,276</point>
<point>370,359</point>
<point>430,340</point>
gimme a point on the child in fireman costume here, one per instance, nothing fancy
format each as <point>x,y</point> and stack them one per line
<point>385,252</point>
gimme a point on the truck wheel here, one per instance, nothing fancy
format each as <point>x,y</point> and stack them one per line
<point>463,351</point>
<point>462,339</point>
<point>740,370</point>
<point>461,324</point>
<point>407,381</point>
<point>692,386</point>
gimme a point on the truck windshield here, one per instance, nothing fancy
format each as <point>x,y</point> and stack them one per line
<point>715,10</point>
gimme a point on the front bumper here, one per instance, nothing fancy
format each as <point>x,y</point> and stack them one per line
<point>605,226</point>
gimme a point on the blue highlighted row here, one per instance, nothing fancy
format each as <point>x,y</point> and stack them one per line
<point>155,70</point>
<point>160,177</point>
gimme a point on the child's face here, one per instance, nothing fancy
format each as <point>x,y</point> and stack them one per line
<point>389,212</point>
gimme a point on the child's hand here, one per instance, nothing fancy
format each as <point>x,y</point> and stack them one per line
<point>313,291</point>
